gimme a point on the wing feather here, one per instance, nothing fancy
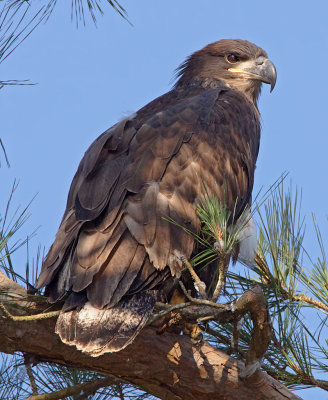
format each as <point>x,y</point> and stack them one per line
<point>106,281</point>
<point>82,277</point>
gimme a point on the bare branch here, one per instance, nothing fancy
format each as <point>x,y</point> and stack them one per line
<point>223,268</point>
<point>202,302</point>
<point>30,375</point>
<point>36,317</point>
<point>86,388</point>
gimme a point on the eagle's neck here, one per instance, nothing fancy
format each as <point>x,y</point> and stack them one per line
<point>250,89</point>
<point>205,83</point>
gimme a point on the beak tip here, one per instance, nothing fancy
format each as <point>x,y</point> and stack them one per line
<point>273,84</point>
<point>272,74</point>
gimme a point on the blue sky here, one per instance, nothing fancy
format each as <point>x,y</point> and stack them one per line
<point>89,78</point>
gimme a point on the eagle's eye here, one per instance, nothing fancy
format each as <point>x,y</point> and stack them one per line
<point>232,58</point>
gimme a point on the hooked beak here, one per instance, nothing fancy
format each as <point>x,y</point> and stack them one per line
<point>261,69</point>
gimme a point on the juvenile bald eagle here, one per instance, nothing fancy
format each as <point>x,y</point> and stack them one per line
<point>114,254</point>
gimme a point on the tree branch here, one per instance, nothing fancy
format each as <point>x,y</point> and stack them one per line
<point>86,389</point>
<point>173,368</point>
<point>252,302</point>
<point>223,268</point>
<point>31,378</point>
<point>26,318</point>
<point>261,263</point>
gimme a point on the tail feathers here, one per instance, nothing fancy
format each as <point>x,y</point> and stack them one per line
<point>98,331</point>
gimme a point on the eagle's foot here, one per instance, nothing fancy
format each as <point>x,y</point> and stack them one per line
<point>194,331</point>
<point>173,324</point>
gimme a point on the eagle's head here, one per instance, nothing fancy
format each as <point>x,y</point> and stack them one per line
<point>239,63</point>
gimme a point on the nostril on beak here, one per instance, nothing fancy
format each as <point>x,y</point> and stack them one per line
<point>260,60</point>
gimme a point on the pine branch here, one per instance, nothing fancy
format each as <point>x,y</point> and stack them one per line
<point>30,376</point>
<point>309,300</point>
<point>285,293</point>
<point>223,268</point>
<point>87,388</point>
<point>202,302</point>
<point>120,392</point>
<point>17,24</point>
<point>26,318</point>
<point>3,147</point>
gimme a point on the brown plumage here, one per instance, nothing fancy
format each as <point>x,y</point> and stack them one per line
<point>114,254</point>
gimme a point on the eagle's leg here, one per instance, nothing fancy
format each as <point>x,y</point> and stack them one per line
<point>199,285</point>
<point>176,325</point>
<point>191,329</point>
<point>194,331</point>
<point>170,322</point>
